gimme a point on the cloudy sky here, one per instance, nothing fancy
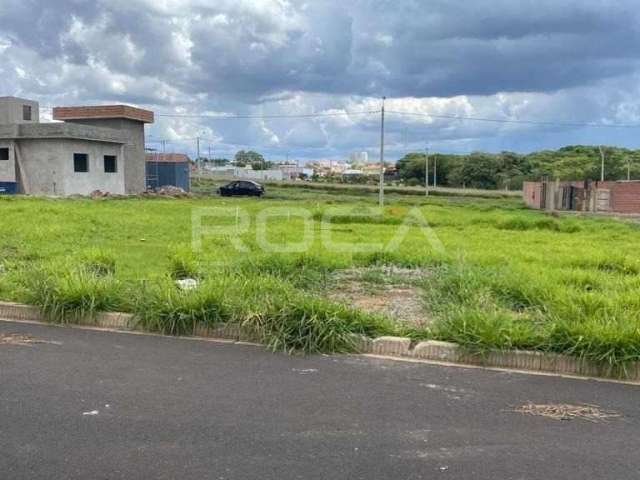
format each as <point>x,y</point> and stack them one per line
<point>557,61</point>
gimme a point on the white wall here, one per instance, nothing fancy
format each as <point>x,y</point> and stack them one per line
<point>276,175</point>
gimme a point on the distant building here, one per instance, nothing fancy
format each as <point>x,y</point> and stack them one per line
<point>93,148</point>
<point>359,158</point>
<point>373,169</point>
<point>293,171</point>
<point>328,167</point>
<point>168,169</point>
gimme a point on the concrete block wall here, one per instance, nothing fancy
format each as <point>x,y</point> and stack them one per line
<point>134,154</point>
<point>46,167</point>
<point>11,110</point>
<point>8,167</point>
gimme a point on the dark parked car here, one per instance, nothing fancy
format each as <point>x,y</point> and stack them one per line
<point>242,187</point>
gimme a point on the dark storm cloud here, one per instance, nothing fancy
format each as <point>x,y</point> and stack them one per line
<point>366,47</point>
<point>449,48</point>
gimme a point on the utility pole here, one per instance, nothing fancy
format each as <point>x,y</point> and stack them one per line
<point>381,193</point>
<point>628,169</point>
<point>164,143</point>
<point>199,160</point>
<point>198,150</point>
<point>426,172</point>
<point>435,172</point>
<point>602,163</point>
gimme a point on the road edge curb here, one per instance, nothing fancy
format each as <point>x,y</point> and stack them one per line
<point>386,346</point>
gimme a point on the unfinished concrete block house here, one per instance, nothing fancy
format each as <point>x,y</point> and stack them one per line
<point>92,148</point>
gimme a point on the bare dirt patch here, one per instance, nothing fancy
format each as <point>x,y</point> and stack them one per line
<point>390,291</point>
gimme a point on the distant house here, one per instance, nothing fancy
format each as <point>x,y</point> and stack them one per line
<point>92,148</point>
<point>294,172</point>
<point>168,169</point>
<point>584,196</point>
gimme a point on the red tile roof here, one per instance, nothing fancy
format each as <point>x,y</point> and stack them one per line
<point>167,157</point>
<point>103,111</point>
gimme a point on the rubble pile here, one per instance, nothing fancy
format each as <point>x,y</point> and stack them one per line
<point>167,191</point>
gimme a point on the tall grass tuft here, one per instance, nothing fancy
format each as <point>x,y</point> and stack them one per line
<point>264,306</point>
<point>306,271</point>
<point>519,223</point>
<point>183,264</point>
<point>480,331</point>
<point>608,341</point>
<point>98,262</point>
<point>313,325</point>
<point>68,295</point>
<point>162,307</point>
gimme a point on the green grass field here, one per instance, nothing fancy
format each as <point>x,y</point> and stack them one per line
<point>507,277</point>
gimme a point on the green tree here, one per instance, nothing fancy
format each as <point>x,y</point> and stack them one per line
<point>248,157</point>
<point>512,170</point>
<point>478,170</point>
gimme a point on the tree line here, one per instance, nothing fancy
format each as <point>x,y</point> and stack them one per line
<point>508,170</point>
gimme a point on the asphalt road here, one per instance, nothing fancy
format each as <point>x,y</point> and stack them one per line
<point>96,405</point>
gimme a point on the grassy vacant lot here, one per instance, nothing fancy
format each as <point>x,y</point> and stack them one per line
<point>507,278</point>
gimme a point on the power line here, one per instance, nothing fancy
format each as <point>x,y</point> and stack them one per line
<point>522,121</point>
<point>267,116</point>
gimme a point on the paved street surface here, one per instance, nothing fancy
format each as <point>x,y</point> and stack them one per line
<point>96,405</point>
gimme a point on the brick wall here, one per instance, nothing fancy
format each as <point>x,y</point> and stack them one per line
<point>105,111</point>
<point>625,197</point>
<point>531,193</point>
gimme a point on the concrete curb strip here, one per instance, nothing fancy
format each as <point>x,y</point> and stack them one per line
<point>389,346</point>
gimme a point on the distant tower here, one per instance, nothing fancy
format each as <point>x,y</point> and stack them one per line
<point>359,157</point>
